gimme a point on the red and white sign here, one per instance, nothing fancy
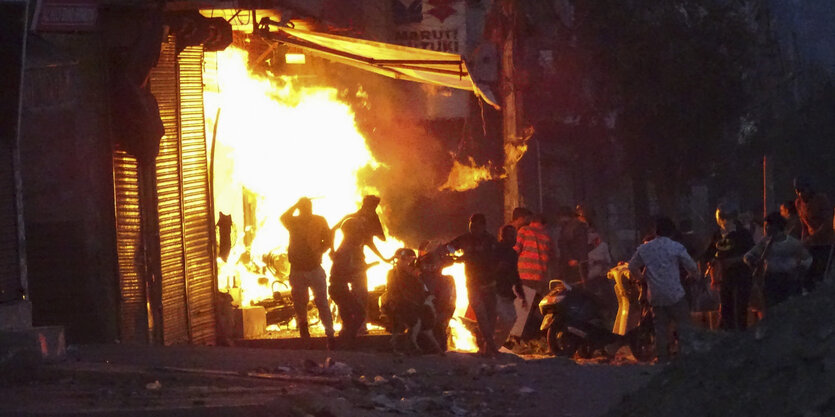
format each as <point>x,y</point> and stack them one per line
<point>65,16</point>
<point>439,25</point>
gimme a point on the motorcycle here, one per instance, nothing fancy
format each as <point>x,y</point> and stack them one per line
<point>574,323</point>
<point>441,287</point>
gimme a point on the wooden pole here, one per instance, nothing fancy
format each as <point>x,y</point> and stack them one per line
<point>510,114</point>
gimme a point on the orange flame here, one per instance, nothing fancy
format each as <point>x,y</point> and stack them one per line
<point>467,176</point>
<point>277,141</point>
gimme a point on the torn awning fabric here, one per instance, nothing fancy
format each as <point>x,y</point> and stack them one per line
<point>395,61</point>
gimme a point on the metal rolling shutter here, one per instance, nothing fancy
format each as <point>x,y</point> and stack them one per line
<point>183,198</point>
<point>164,87</point>
<point>133,308</point>
<point>10,287</point>
<point>198,224</point>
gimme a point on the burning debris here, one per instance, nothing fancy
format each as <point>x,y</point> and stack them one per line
<point>466,176</point>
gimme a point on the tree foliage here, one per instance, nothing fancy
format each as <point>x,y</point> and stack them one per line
<point>675,74</point>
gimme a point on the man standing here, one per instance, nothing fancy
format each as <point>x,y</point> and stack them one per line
<point>479,248</point>
<point>369,227</point>
<point>779,260</point>
<point>508,284</point>
<point>310,237</point>
<point>815,213</point>
<point>662,258</point>
<point>347,270</point>
<point>573,245</point>
<point>533,244</point>
<point>729,273</point>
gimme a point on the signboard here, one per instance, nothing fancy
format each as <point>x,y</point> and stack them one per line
<point>438,25</point>
<point>65,16</point>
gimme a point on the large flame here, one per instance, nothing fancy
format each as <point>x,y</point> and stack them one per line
<point>277,142</point>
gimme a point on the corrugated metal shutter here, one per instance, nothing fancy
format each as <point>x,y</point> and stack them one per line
<point>174,301</point>
<point>183,198</point>
<point>10,288</point>
<point>198,225</point>
<point>133,307</point>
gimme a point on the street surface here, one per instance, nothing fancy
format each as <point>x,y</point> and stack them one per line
<point>127,380</point>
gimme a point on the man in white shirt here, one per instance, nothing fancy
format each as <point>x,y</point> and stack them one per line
<point>662,258</point>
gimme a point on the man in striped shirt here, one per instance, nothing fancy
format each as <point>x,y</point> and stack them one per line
<point>533,244</point>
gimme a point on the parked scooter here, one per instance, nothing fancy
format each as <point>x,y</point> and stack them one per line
<point>574,323</point>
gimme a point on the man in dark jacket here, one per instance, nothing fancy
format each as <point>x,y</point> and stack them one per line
<point>729,273</point>
<point>479,248</point>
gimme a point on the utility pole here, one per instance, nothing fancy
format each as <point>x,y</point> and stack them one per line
<point>510,108</point>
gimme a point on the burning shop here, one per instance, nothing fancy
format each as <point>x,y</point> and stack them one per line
<point>280,137</point>
<point>249,129</point>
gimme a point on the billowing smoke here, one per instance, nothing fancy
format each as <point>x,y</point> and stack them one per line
<point>417,156</point>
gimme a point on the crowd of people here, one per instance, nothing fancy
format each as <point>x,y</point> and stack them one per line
<point>752,268</point>
<point>747,265</point>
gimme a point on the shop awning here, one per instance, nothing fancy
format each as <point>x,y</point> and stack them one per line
<point>395,61</point>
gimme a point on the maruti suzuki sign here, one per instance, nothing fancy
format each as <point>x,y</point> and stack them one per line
<point>439,25</point>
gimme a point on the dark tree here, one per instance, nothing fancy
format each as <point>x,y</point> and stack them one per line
<point>674,71</point>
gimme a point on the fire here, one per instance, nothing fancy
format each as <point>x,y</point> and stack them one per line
<point>276,142</point>
<point>467,176</point>
<point>462,338</point>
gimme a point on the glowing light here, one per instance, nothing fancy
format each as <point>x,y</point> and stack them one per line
<point>294,58</point>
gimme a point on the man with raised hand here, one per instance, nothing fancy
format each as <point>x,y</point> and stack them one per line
<point>310,238</point>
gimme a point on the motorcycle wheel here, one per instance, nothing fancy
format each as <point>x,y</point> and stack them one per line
<point>561,343</point>
<point>642,344</point>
